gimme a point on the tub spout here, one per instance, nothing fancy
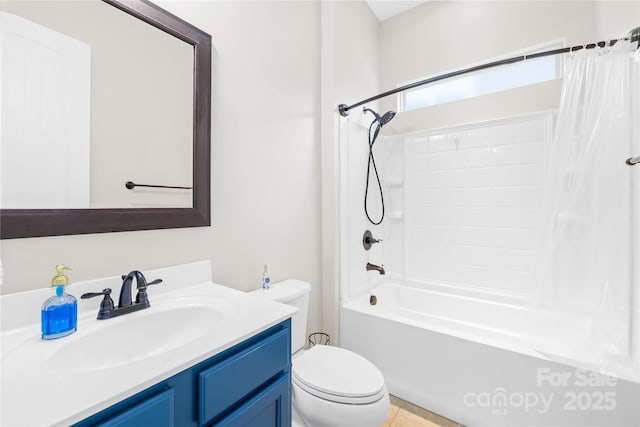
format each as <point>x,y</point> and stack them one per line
<point>378,268</point>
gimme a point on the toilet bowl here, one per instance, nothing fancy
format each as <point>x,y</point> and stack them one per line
<point>331,386</point>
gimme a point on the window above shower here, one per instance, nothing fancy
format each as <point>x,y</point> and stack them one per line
<point>487,81</point>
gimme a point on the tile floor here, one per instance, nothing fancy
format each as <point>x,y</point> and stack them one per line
<point>405,414</point>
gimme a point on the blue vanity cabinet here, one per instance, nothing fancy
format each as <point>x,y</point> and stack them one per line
<point>154,411</point>
<point>270,407</point>
<point>244,386</point>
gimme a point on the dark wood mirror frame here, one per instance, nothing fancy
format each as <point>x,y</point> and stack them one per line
<point>19,223</point>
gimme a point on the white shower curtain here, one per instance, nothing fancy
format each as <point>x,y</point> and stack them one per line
<point>584,304</point>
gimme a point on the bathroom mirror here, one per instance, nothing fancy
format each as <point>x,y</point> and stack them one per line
<point>187,164</point>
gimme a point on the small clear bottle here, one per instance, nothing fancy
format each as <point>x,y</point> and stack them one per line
<point>266,280</point>
<point>59,315</point>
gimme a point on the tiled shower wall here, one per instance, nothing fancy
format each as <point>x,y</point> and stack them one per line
<point>464,203</point>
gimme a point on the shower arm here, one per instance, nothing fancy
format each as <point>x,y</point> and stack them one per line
<point>633,37</point>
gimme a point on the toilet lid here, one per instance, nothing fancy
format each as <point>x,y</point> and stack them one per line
<point>338,375</point>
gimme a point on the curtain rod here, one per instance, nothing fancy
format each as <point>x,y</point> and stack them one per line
<point>634,36</point>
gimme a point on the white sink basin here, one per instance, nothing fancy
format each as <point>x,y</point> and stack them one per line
<point>135,337</point>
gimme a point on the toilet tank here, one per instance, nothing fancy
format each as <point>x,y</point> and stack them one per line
<point>296,293</point>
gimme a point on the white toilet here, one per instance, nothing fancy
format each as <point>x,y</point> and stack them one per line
<point>331,386</point>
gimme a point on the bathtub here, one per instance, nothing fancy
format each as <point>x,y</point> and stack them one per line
<point>462,354</point>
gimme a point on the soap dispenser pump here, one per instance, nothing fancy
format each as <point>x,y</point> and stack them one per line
<point>60,312</point>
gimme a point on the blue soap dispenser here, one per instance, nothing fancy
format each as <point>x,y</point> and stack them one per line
<point>60,312</point>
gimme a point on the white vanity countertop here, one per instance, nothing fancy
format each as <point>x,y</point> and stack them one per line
<point>43,384</point>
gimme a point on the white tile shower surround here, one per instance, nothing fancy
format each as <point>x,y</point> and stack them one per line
<point>467,202</point>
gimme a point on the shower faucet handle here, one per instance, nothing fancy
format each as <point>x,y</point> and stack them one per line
<point>368,240</point>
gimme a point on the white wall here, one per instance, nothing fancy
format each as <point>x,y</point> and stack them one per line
<point>441,36</point>
<point>356,32</point>
<point>265,164</point>
<point>349,52</point>
<point>616,18</point>
<point>356,55</point>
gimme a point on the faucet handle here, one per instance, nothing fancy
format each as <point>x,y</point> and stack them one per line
<point>105,306</point>
<point>141,296</point>
<point>106,292</point>
<point>368,240</point>
<point>145,285</point>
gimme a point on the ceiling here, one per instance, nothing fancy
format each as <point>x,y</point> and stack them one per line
<point>385,9</point>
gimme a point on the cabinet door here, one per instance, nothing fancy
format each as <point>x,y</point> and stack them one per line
<point>269,408</point>
<point>157,411</point>
<point>237,377</point>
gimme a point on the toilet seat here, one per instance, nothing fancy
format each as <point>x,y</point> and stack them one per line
<point>338,375</point>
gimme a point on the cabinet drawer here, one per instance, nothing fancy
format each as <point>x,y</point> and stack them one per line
<point>155,411</point>
<point>231,380</point>
<point>269,408</point>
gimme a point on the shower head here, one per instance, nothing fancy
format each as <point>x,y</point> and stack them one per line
<point>386,117</point>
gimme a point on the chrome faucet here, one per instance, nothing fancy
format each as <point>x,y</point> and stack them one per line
<point>378,268</point>
<point>125,304</point>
